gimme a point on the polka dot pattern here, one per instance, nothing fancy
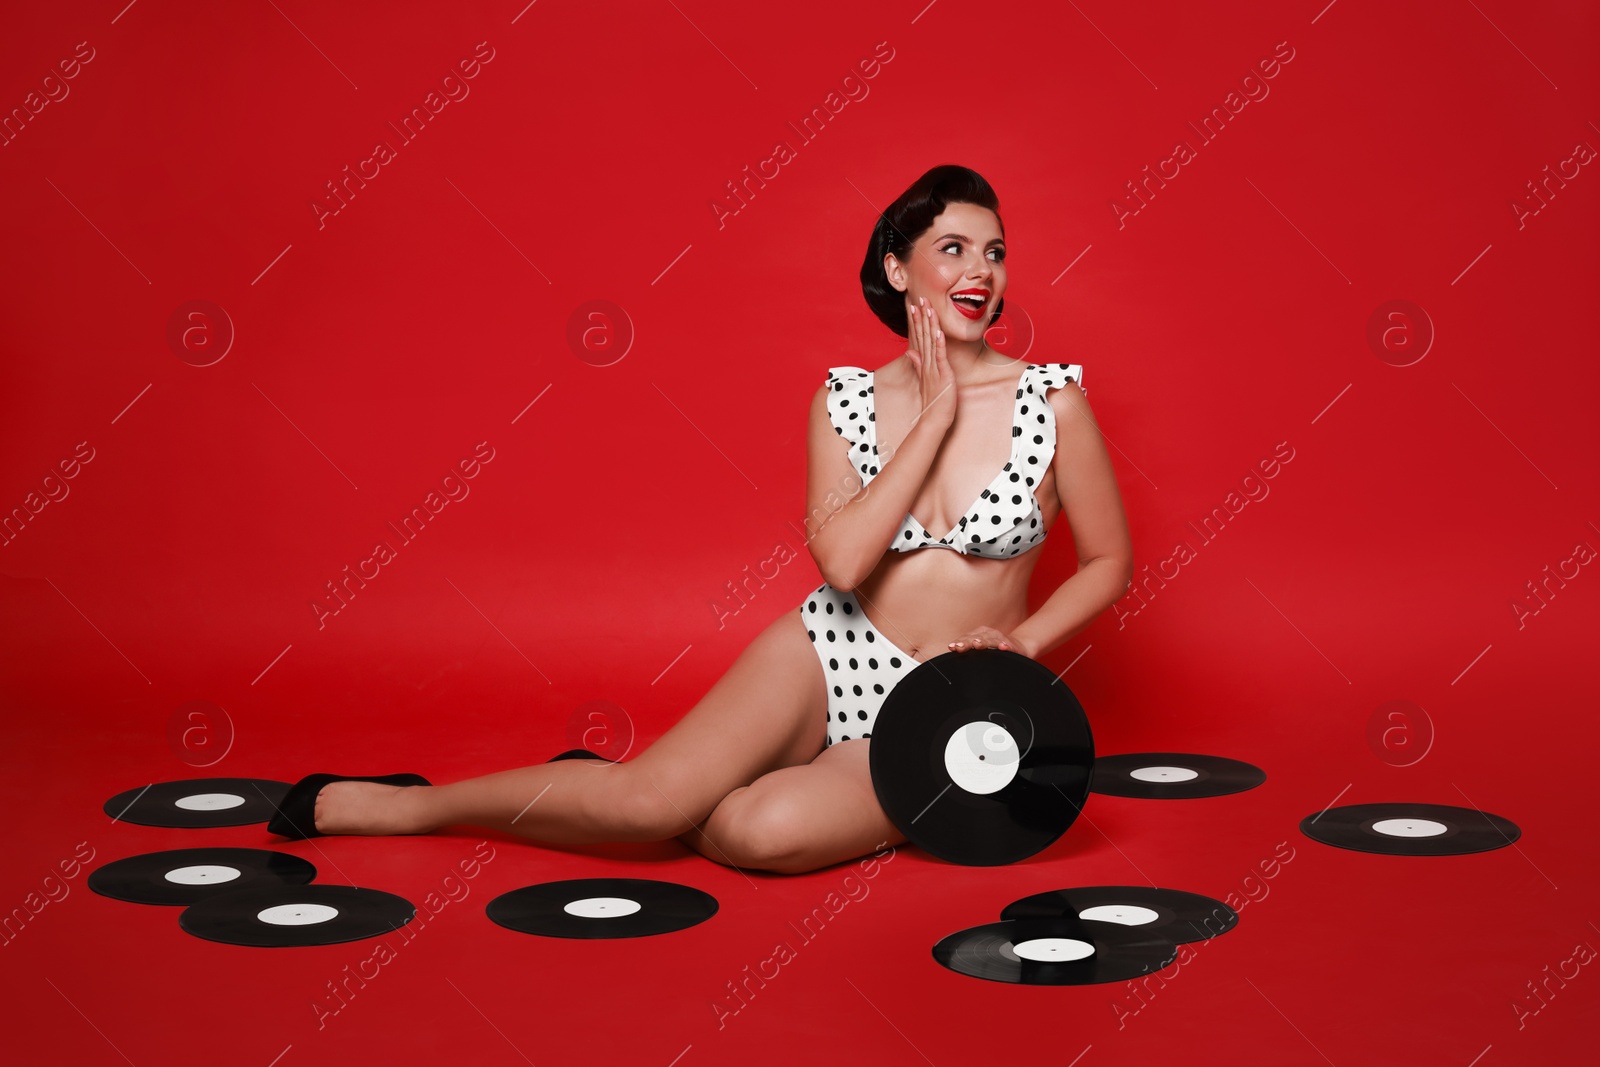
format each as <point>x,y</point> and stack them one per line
<point>860,664</point>
<point>1005,520</point>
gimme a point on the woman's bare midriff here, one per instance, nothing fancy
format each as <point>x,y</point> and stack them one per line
<point>925,599</point>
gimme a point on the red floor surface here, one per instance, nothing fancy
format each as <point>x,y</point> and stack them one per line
<point>182,484</point>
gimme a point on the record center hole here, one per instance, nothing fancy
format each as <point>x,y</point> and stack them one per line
<point>602,907</point>
<point>209,801</point>
<point>297,914</point>
<point>1164,774</point>
<point>202,874</point>
<point>1409,827</point>
<point>1053,949</point>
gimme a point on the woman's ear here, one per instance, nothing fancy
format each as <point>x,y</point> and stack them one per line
<point>894,272</point>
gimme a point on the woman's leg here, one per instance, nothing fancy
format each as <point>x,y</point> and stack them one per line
<point>768,711</point>
<point>800,818</point>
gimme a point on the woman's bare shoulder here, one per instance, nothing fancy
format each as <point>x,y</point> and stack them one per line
<point>886,372</point>
<point>893,373</point>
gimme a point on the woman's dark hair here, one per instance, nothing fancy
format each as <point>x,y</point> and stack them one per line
<point>908,218</point>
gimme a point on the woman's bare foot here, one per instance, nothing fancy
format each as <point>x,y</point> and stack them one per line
<point>369,808</point>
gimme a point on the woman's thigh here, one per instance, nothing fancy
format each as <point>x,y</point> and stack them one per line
<point>768,711</point>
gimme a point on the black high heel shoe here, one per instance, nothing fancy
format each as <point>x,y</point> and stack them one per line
<point>295,814</point>
<point>578,753</point>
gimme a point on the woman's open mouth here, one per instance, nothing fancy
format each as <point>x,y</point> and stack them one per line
<point>970,302</point>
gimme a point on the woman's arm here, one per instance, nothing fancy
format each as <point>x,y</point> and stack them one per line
<point>848,524</point>
<point>849,528</point>
<point>1092,507</point>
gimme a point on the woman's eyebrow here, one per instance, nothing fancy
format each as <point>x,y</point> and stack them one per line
<point>968,240</point>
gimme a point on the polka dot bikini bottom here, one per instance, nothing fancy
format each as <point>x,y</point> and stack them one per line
<point>861,665</point>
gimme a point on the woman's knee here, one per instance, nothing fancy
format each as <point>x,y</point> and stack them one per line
<point>640,809</point>
<point>769,830</point>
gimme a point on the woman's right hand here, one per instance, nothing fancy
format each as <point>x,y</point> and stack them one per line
<point>925,349</point>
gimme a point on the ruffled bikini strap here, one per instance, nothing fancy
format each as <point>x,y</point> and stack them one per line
<point>1055,375</point>
<point>852,412</point>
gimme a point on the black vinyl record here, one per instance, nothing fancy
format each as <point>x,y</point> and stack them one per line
<point>189,875</point>
<point>1410,829</point>
<point>602,907</point>
<point>981,757</point>
<point>1142,911</point>
<point>1173,776</point>
<point>1058,951</point>
<point>194,803</point>
<point>296,915</point>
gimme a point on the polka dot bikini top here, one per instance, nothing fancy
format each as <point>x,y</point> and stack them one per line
<point>1005,520</point>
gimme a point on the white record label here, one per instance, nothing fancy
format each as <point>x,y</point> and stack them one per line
<point>1053,949</point>
<point>1164,774</point>
<point>209,801</point>
<point>1409,827</point>
<point>296,914</point>
<point>202,874</point>
<point>981,757</point>
<point>601,907</point>
<point>1126,914</point>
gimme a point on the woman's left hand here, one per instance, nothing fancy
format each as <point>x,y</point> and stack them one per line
<point>989,637</point>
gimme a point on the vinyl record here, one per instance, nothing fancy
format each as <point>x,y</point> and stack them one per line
<point>1410,829</point>
<point>1173,776</point>
<point>295,915</point>
<point>193,803</point>
<point>1055,951</point>
<point>1142,911</point>
<point>602,907</point>
<point>190,875</point>
<point>981,757</point>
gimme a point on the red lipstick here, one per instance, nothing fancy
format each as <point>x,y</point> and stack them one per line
<point>971,309</point>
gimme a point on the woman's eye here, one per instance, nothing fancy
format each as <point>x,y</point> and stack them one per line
<point>998,253</point>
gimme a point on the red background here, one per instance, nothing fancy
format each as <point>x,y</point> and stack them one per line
<point>377,347</point>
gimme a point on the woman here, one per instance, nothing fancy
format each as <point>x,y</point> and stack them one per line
<point>769,770</point>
